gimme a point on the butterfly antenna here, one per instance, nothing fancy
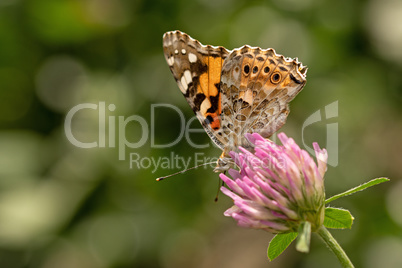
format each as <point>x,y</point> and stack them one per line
<point>219,187</point>
<point>182,171</point>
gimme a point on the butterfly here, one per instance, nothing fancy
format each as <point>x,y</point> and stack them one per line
<point>246,90</point>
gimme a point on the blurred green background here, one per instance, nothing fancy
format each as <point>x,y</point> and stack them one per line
<point>67,207</point>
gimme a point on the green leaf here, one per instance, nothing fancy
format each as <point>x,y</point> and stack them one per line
<point>357,189</point>
<point>338,218</point>
<point>303,239</point>
<point>279,243</point>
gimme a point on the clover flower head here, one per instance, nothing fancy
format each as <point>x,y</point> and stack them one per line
<point>278,186</point>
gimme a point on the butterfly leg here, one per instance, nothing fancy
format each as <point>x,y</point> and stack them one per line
<point>221,183</point>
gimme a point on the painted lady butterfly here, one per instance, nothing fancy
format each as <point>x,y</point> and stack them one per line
<point>234,92</point>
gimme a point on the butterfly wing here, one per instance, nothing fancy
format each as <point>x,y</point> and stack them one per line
<point>257,86</point>
<point>197,71</point>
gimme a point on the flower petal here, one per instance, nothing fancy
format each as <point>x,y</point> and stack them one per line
<point>322,158</point>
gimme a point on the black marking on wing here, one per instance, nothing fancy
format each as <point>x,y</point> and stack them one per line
<point>208,120</point>
<point>199,98</point>
<point>214,104</point>
<point>199,68</point>
<point>295,80</point>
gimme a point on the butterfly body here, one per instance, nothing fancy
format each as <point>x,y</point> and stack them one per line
<point>232,93</point>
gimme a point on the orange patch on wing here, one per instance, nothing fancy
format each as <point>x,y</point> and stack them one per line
<point>211,77</point>
<point>208,82</point>
<point>215,68</point>
<point>216,123</point>
<point>203,86</point>
<point>220,104</point>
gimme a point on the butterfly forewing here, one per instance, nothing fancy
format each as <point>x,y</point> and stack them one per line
<point>197,71</point>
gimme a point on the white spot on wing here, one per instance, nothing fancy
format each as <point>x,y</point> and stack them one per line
<point>176,52</point>
<point>170,61</point>
<point>185,80</point>
<point>192,57</point>
<point>187,75</point>
<point>183,51</point>
<point>205,105</point>
<point>184,85</point>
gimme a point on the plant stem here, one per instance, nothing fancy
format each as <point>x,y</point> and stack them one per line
<point>335,247</point>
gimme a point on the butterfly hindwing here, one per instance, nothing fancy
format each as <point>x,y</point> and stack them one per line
<point>257,86</point>
<point>197,71</point>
